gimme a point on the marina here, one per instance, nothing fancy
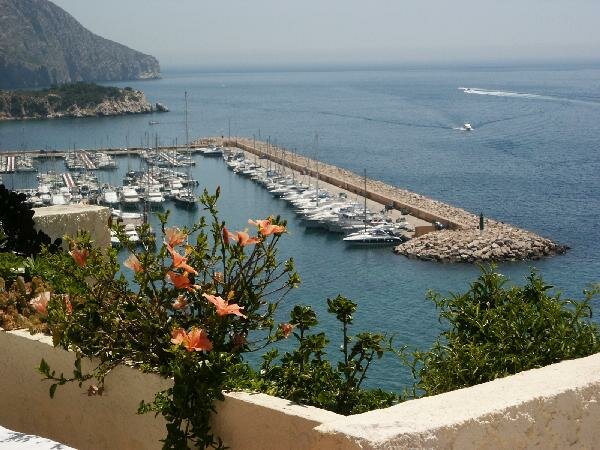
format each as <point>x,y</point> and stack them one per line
<point>327,197</point>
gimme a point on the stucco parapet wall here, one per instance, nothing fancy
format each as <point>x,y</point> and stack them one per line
<point>553,407</point>
<point>243,420</point>
<point>58,221</point>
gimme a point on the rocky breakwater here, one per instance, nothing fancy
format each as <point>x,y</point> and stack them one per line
<point>460,241</point>
<point>497,242</point>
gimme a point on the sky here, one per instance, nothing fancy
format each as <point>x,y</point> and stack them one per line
<point>271,33</point>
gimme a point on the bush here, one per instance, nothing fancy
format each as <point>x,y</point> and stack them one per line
<point>496,330</point>
<point>306,376</point>
<point>17,228</point>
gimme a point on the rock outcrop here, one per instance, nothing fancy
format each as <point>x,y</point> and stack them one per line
<point>77,100</point>
<point>41,44</point>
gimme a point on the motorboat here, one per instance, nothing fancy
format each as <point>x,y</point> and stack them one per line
<point>373,236</point>
<point>110,197</point>
<point>467,127</point>
<point>186,199</point>
<point>210,151</point>
<point>129,197</point>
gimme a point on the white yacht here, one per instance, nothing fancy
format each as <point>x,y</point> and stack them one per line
<point>373,236</point>
<point>129,197</point>
<point>110,197</point>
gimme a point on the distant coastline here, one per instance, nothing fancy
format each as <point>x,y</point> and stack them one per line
<point>74,100</point>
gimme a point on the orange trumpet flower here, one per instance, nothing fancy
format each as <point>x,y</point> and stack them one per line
<point>180,262</point>
<point>175,236</point>
<point>224,308</point>
<point>134,264</point>
<point>79,255</point>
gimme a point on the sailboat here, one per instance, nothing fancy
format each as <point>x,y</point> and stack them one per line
<point>186,198</point>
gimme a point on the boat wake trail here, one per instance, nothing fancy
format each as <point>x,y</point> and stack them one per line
<point>524,95</point>
<point>391,122</point>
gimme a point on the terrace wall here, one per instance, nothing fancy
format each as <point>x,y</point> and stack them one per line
<point>554,407</point>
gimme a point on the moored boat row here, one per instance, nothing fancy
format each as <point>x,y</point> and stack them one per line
<point>318,208</point>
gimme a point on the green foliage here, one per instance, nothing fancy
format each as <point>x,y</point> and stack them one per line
<point>39,103</point>
<point>304,375</point>
<point>55,268</point>
<point>171,327</point>
<point>497,330</point>
<point>80,94</point>
<point>9,266</point>
<point>17,228</point>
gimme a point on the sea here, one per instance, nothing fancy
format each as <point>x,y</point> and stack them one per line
<point>533,160</point>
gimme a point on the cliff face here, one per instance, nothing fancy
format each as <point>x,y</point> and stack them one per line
<point>75,100</point>
<point>41,44</point>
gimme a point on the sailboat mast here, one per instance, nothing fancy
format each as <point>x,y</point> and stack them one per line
<point>365,199</point>
<point>187,137</point>
<point>317,160</point>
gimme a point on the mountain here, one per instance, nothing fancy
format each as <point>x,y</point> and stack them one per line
<point>41,44</point>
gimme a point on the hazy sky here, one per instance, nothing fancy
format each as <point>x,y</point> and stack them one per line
<point>279,32</point>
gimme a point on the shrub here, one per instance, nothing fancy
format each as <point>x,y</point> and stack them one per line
<point>305,375</point>
<point>191,317</point>
<point>17,228</point>
<point>497,330</point>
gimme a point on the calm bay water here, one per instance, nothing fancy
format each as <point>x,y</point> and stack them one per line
<point>533,160</point>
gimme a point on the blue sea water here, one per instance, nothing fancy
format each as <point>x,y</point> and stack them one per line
<point>533,160</point>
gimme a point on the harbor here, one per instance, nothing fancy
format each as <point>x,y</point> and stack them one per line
<point>324,196</point>
<point>447,233</point>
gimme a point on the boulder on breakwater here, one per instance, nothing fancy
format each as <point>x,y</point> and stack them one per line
<point>496,243</point>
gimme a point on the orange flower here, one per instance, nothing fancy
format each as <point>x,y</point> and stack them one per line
<point>79,255</point>
<point>180,302</point>
<point>286,329</point>
<point>134,264</point>
<point>272,229</point>
<point>40,303</point>
<point>223,308</point>
<point>266,228</point>
<point>182,281</point>
<point>241,237</point>
<point>196,340</point>
<point>178,336</point>
<point>226,235</point>
<point>260,223</point>
<point>244,239</point>
<point>175,236</point>
<point>68,305</point>
<point>179,262</point>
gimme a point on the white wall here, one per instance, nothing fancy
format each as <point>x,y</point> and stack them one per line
<point>554,407</point>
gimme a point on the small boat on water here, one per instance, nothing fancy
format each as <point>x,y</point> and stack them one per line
<point>467,127</point>
<point>373,236</point>
<point>210,151</point>
<point>185,199</point>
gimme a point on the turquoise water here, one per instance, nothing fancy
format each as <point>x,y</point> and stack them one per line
<point>533,160</point>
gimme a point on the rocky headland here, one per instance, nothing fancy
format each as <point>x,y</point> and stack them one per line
<point>73,101</point>
<point>41,45</point>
